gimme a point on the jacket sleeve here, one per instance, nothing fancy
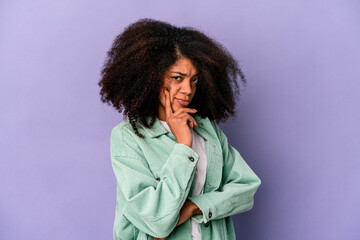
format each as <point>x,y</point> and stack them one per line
<point>236,194</point>
<point>151,206</point>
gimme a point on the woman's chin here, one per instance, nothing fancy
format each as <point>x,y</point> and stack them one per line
<point>175,108</point>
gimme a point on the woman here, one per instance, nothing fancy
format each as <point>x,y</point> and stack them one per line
<point>177,176</point>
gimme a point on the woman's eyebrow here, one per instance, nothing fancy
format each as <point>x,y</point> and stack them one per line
<point>184,74</point>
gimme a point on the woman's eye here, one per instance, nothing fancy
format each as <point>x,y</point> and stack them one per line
<point>195,80</point>
<point>176,78</point>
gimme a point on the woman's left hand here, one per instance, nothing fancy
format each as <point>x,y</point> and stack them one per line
<point>187,210</point>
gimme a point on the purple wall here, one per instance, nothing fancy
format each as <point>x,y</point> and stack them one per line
<point>297,125</point>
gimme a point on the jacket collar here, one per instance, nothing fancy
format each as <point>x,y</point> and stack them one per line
<point>158,129</point>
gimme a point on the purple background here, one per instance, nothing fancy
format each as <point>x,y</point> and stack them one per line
<point>297,124</point>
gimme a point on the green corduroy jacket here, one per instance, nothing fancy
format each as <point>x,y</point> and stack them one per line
<point>155,177</point>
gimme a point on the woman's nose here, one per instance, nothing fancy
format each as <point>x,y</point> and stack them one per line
<point>186,87</point>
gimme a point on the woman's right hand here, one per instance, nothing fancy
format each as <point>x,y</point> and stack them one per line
<point>178,121</point>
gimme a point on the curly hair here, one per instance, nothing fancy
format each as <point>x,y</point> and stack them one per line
<point>132,74</point>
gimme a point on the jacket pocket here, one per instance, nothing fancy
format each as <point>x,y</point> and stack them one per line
<point>214,171</point>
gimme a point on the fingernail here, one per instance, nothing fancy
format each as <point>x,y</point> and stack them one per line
<point>165,91</point>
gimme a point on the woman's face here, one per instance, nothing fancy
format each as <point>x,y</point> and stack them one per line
<point>180,80</point>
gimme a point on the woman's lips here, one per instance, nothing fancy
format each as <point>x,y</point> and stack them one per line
<point>183,102</point>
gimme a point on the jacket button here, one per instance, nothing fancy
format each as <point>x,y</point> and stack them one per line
<point>210,214</point>
<point>207,224</point>
<point>158,179</point>
<point>191,159</point>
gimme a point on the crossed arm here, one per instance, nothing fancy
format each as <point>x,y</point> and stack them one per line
<point>187,211</point>
<point>157,207</point>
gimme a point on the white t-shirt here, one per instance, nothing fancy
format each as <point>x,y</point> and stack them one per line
<point>198,145</point>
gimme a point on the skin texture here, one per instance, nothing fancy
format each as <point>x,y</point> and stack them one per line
<point>179,82</point>
<point>179,85</point>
